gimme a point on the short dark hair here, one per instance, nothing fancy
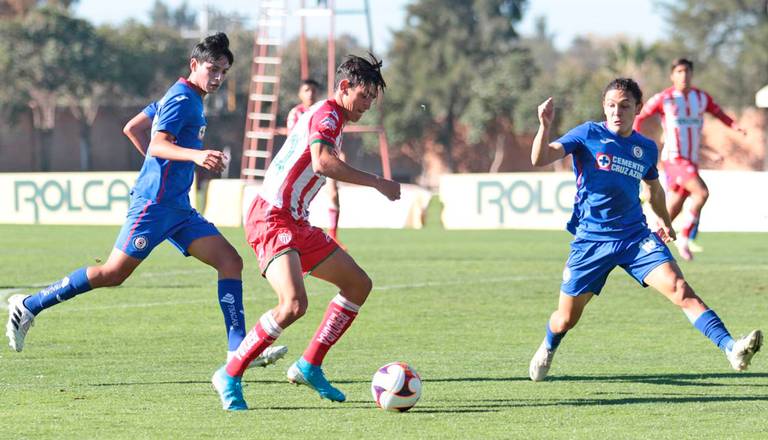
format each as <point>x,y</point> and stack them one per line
<point>213,47</point>
<point>625,85</point>
<point>361,71</point>
<point>681,62</point>
<point>309,82</point>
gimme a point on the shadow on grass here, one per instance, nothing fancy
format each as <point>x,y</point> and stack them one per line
<point>689,379</point>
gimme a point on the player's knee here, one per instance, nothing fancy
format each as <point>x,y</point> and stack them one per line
<point>366,284</point>
<point>233,264</point>
<point>682,292</point>
<point>293,310</point>
<point>112,277</point>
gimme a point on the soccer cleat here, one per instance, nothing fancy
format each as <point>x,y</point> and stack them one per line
<point>743,350</point>
<point>684,250</point>
<point>230,390</point>
<point>540,363</point>
<point>20,319</point>
<point>302,372</point>
<point>694,247</point>
<point>269,356</point>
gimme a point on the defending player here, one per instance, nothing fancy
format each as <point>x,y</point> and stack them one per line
<point>160,207</point>
<point>288,247</point>
<point>682,109</point>
<point>138,130</point>
<point>308,96</point>
<point>609,160</point>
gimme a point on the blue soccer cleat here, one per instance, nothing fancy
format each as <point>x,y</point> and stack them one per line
<point>304,373</point>
<point>230,390</point>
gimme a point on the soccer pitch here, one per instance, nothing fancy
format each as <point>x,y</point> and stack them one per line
<point>467,309</point>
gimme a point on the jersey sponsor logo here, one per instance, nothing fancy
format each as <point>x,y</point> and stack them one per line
<point>140,242</point>
<point>201,133</point>
<point>637,151</point>
<point>604,161</point>
<point>228,299</point>
<point>284,237</point>
<point>627,167</point>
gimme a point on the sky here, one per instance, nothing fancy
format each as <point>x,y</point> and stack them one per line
<point>566,19</point>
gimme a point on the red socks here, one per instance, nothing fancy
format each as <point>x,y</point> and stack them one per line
<point>338,317</point>
<point>263,334</point>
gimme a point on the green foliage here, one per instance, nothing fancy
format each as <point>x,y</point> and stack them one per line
<point>466,308</point>
<point>452,61</point>
<point>727,42</point>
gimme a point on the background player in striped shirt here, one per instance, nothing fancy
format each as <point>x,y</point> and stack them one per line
<point>288,247</point>
<point>160,208</point>
<point>308,96</point>
<point>609,227</point>
<point>682,109</point>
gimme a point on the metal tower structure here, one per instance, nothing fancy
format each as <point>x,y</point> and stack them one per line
<point>261,116</point>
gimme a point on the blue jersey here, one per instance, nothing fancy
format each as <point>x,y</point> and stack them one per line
<point>150,110</point>
<point>608,170</point>
<point>179,113</point>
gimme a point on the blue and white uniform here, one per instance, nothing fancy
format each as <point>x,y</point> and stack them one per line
<point>160,208</point>
<point>608,222</point>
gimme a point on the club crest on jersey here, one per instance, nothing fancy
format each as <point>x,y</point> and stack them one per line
<point>201,133</point>
<point>604,161</point>
<point>637,151</point>
<point>284,237</point>
<point>328,123</point>
<point>140,242</point>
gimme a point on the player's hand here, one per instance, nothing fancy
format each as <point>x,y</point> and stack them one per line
<point>389,188</point>
<point>546,112</point>
<point>666,233</point>
<point>212,160</point>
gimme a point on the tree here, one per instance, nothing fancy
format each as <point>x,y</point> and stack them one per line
<point>450,62</point>
<point>728,39</point>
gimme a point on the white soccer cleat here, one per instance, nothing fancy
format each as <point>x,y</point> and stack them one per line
<point>743,350</point>
<point>684,250</point>
<point>20,319</point>
<point>694,247</point>
<point>540,363</point>
<point>269,356</point>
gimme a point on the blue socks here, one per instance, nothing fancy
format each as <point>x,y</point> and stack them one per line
<point>231,302</point>
<point>553,339</point>
<point>62,290</point>
<point>709,324</point>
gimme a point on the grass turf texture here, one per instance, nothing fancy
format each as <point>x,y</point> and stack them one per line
<point>466,308</point>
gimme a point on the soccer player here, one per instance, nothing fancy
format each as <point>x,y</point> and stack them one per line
<point>160,208</point>
<point>308,96</point>
<point>138,130</point>
<point>682,109</point>
<point>609,160</point>
<point>288,247</point>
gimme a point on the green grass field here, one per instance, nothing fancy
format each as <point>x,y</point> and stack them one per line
<point>466,308</point>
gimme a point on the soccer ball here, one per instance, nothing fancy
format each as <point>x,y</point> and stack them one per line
<point>396,387</point>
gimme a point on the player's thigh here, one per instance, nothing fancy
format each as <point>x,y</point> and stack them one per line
<point>285,275</point>
<point>587,268</point>
<point>215,251</point>
<point>341,270</point>
<point>115,270</point>
<point>696,185</point>
<point>573,306</point>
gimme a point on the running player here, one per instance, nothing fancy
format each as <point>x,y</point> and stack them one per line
<point>288,247</point>
<point>609,160</point>
<point>138,130</point>
<point>682,109</point>
<point>160,208</point>
<point>307,97</point>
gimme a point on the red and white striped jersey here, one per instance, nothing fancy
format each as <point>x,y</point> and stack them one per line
<point>294,115</point>
<point>290,183</point>
<point>682,117</point>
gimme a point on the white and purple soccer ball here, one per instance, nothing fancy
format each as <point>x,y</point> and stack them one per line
<point>396,387</point>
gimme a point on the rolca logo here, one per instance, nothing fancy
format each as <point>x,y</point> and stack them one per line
<point>63,195</point>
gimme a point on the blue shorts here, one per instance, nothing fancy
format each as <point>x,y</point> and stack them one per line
<point>590,262</point>
<point>148,224</point>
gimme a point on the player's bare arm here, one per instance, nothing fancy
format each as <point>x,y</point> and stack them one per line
<point>544,152</point>
<point>325,162</point>
<point>163,147</point>
<point>658,204</point>
<point>137,131</point>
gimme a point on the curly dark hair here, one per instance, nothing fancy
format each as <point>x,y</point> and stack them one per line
<point>625,85</point>
<point>361,71</point>
<point>212,48</point>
